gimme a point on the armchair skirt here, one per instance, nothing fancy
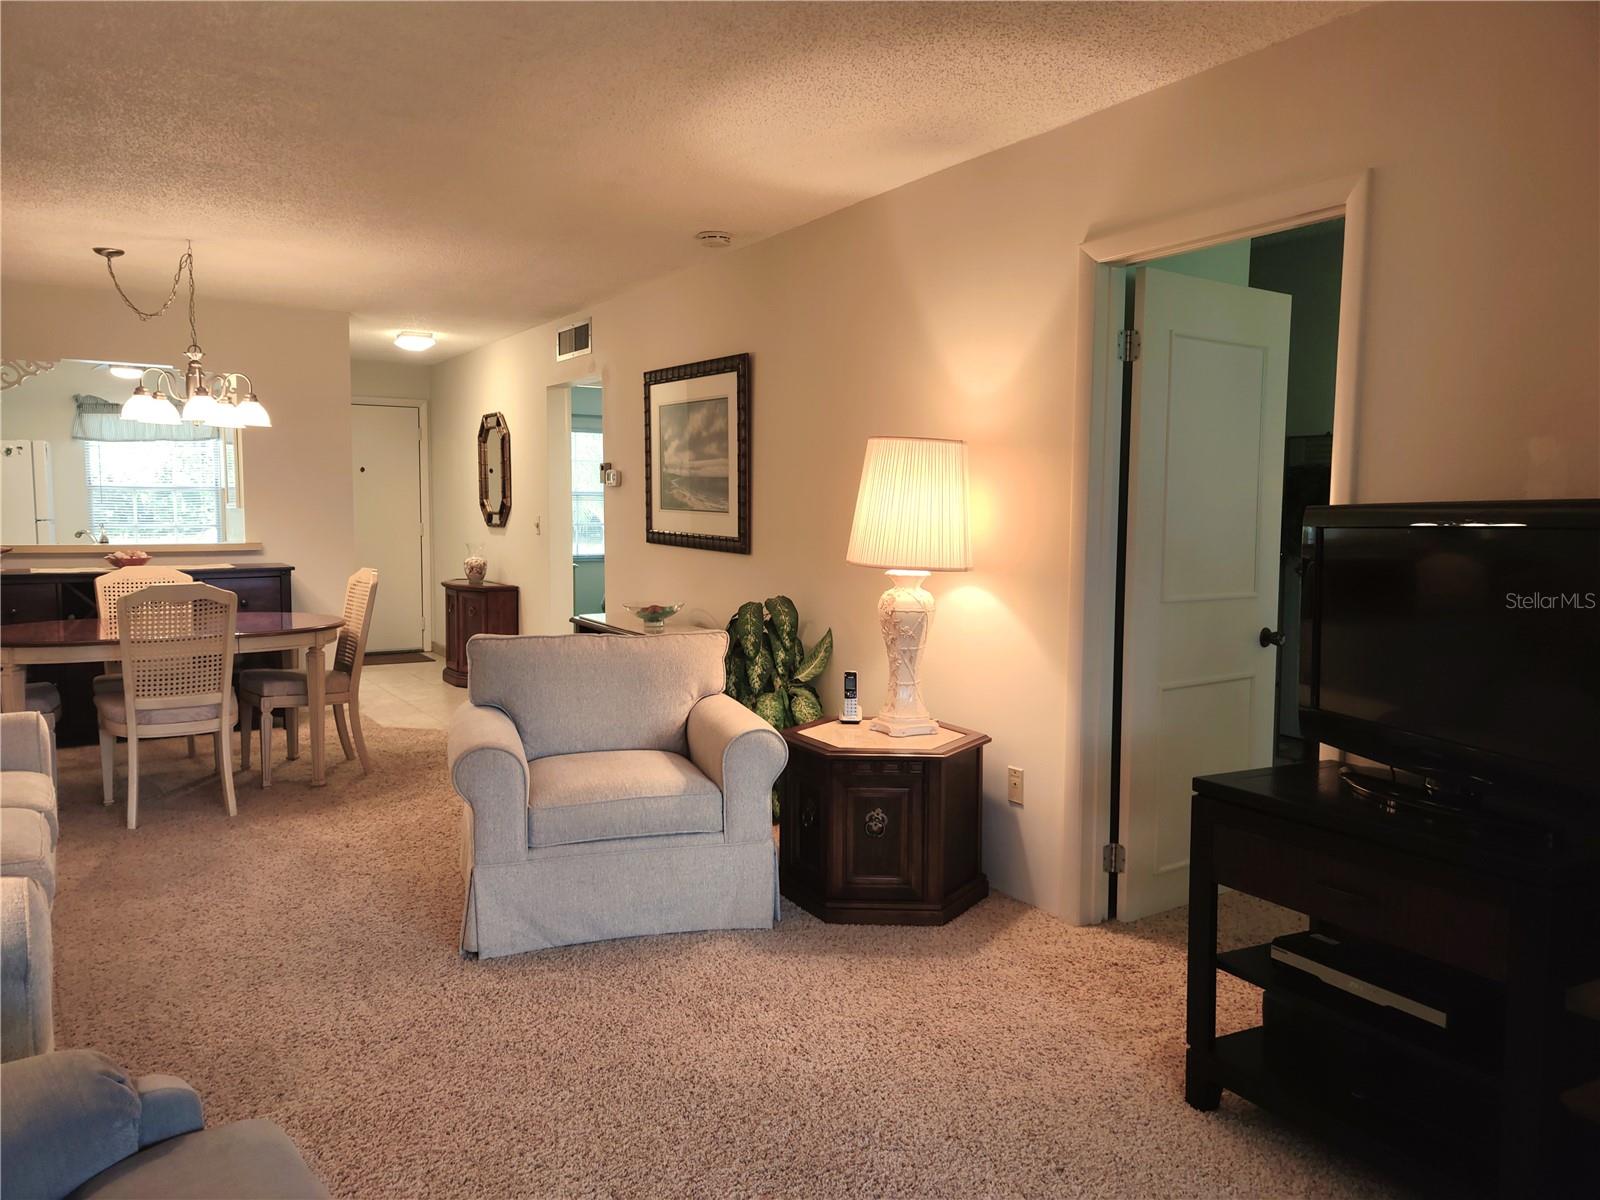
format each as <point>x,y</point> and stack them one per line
<point>630,888</point>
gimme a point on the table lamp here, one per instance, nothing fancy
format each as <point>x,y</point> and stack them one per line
<point>911,518</point>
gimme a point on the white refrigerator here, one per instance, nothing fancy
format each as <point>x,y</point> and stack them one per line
<point>27,503</point>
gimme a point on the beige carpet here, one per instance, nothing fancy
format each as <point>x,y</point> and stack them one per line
<point>299,963</point>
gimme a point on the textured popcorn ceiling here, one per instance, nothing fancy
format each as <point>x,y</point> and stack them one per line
<point>478,168</point>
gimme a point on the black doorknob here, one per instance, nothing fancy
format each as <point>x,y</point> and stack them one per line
<point>1271,637</point>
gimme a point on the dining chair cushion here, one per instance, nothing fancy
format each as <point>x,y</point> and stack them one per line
<point>29,789</point>
<point>107,683</point>
<point>260,682</point>
<point>26,848</point>
<point>43,698</point>
<point>113,707</point>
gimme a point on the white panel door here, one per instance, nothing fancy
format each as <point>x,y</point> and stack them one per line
<point>386,460</point>
<point>1205,494</point>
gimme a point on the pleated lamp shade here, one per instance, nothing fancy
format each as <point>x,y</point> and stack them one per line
<point>911,511</point>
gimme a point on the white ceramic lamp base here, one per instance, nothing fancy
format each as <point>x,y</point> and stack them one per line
<point>905,613</point>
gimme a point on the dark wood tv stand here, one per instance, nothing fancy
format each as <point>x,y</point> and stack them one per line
<point>1511,904</point>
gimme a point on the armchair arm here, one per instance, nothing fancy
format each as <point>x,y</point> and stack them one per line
<point>25,743</point>
<point>67,1116</point>
<point>743,756</point>
<point>27,1019</point>
<point>489,770</point>
<point>167,1107</point>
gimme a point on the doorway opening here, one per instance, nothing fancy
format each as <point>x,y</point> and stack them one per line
<point>1227,427</point>
<point>587,449</point>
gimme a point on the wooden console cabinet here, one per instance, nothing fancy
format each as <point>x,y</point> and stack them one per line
<point>473,608</point>
<point>67,595</point>
<point>878,830</point>
<point>1506,904</point>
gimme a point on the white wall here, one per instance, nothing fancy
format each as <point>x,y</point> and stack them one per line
<point>949,308</point>
<point>381,379</point>
<point>297,490</point>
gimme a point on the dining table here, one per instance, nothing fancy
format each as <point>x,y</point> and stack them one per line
<point>86,640</point>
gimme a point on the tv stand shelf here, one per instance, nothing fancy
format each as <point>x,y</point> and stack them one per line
<point>1511,910</point>
<point>1469,1065</point>
<point>1432,1161</point>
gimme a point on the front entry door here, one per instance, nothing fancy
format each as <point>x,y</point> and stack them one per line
<point>1205,492</point>
<point>386,453</point>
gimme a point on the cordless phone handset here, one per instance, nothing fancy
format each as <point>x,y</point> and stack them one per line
<point>852,705</point>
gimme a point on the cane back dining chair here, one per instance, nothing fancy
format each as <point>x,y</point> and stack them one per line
<point>177,645</point>
<point>262,691</point>
<point>111,587</point>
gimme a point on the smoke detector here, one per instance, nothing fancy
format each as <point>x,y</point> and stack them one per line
<point>715,238</point>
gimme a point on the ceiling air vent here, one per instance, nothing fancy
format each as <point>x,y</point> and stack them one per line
<point>573,340</point>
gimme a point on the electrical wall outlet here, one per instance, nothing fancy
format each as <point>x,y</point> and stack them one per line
<point>1014,785</point>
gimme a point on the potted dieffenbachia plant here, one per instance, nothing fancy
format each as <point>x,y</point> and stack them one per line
<point>769,669</point>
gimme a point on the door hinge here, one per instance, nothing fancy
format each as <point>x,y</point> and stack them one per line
<point>1114,858</point>
<point>1128,345</point>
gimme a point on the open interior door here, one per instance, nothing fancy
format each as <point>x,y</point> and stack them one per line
<point>1205,489</point>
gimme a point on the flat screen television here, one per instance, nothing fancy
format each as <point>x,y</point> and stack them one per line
<point>1459,642</point>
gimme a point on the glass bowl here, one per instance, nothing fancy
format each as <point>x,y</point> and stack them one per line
<point>654,616</point>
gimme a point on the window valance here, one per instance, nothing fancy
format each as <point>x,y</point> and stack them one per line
<point>99,420</point>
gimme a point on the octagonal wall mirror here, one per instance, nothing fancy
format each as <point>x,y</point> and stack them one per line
<point>494,470</point>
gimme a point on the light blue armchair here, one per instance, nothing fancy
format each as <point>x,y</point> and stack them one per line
<point>74,1125</point>
<point>611,790</point>
<point>28,833</point>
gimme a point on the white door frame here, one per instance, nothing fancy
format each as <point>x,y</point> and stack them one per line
<point>558,483</point>
<point>429,642</point>
<point>1099,404</point>
<point>558,425</point>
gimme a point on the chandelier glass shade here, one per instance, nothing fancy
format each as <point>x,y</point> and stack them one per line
<point>153,408</point>
<point>226,400</point>
<point>199,407</point>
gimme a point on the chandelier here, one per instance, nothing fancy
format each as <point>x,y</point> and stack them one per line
<point>222,401</point>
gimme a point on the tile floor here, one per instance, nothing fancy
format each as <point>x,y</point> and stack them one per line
<point>408,695</point>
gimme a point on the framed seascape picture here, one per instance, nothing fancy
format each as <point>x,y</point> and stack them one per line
<point>697,455</point>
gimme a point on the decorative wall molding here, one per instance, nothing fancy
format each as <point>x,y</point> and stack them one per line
<point>14,370</point>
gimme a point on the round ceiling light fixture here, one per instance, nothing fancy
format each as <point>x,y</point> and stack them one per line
<point>414,340</point>
<point>123,371</point>
<point>714,238</point>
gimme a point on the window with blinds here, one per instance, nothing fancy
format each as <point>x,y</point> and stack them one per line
<point>158,491</point>
<point>588,496</point>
